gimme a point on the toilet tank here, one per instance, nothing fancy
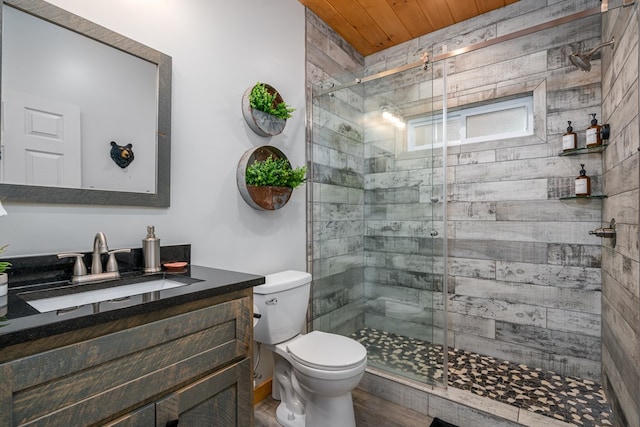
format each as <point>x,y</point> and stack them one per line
<point>282,302</point>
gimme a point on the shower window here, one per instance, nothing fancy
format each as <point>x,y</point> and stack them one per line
<point>489,122</point>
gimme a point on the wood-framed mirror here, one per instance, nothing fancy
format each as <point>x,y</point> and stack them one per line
<point>128,104</point>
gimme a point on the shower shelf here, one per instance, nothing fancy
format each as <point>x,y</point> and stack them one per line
<point>585,150</point>
<point>596,196</point>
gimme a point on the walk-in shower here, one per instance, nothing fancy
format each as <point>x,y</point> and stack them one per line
<point>440,233</point>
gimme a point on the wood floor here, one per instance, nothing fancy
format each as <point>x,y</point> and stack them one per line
<point>371,411</point>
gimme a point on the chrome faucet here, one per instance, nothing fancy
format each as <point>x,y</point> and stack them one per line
<point>99,247</point>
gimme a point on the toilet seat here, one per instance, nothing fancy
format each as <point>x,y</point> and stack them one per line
<point>327,352</point>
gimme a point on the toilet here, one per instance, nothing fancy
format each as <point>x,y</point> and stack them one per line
<point>314,373</point>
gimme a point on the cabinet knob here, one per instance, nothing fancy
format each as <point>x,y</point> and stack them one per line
<point>173,423</point>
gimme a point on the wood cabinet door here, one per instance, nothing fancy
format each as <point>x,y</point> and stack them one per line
<point>223,399</point>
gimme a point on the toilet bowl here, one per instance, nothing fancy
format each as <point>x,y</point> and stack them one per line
<point>314,373</point>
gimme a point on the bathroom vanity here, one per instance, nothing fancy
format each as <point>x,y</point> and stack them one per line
<point>160,358</point>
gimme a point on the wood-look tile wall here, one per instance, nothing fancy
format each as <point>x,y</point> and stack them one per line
<point>524,274</point>
<point>620,264</point>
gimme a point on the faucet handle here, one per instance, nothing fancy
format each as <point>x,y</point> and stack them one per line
<point>112,264</point>
<point>79,269</point>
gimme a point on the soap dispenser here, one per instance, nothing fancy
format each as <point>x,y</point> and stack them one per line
<point>569,139</point>
<point>583,183</point>
<point>593,133</point>
<point>151,251</point>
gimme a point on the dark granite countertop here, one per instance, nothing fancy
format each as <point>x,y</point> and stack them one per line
<point>23,323</point>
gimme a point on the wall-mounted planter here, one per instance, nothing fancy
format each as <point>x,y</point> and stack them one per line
<point>261,197</point>
<point>260,122</point>
<point>269,198</point>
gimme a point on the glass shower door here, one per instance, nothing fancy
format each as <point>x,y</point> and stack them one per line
<point>390,298</point>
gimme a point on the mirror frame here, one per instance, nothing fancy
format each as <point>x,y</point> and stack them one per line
<point>60,195</point>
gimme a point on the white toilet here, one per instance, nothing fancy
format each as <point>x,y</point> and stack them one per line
<point>314,373</point>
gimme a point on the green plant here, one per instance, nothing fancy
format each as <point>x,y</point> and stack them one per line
<point>261,98</point>
<point>275,172</point>
<point>4,266</point>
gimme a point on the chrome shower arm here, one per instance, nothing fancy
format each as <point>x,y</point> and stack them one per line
<point>595,49</point>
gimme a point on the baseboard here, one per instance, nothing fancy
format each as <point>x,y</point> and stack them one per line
<point>262,391</point>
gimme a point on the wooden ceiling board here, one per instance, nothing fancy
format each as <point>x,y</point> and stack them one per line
<point>437,12</point>
<point>336,21</point>
<point>485,6</point>
<point>463,10</point>
<point>410,13</point>
<point>373,25</point>
<point>382,13</point>
<point>360,20</point>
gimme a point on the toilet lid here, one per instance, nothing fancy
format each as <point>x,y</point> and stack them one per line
<point>321,350</point>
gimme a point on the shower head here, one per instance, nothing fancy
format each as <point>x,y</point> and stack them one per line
<point>583,60</point>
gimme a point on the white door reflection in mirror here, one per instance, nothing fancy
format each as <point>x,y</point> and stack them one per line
<point>45,144</point>
<point>115,91</point>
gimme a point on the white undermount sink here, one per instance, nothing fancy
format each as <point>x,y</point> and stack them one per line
<point>78,299</point>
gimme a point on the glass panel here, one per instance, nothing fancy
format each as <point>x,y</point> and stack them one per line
<point>423,135</point>
<point>497,122</point>
<point>336,230</point>
<point>377,264</point>
<point>428,133</point>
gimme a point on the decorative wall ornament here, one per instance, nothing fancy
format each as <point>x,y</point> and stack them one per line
<point>122,155</point>
<point>264,110</point>
<point>266,179</point>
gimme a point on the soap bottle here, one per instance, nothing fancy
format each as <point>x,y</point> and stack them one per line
<point>593,133</point>
<point>151,251</point>
<point>583,184</point>
<point>569,139</point>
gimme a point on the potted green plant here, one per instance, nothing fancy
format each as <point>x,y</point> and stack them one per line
<point>266,179</point>
<point>275,172</point>
<point>270,182</point>
<point>4,266</point>
<point>264,110</point>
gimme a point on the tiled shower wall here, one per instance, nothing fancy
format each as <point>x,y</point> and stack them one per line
<point>524,272</point>
<point>620,264</point>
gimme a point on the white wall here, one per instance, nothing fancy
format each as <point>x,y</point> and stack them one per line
<point>219,49</point>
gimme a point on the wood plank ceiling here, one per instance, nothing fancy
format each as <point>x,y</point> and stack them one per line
<point>373,25</point>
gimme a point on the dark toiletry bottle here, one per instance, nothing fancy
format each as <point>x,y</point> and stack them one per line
<point>593,133</point>
<point>569,139</point>
<point>583,184</point>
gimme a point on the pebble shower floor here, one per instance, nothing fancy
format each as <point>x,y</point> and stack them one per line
<point>572,400</point>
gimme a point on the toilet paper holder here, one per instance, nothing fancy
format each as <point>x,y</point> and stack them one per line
<point>607,232</point>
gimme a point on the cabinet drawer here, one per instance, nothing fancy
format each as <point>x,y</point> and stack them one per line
<point>92,380</point>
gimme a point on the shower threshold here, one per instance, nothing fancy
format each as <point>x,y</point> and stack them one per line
<point>568,399</point>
